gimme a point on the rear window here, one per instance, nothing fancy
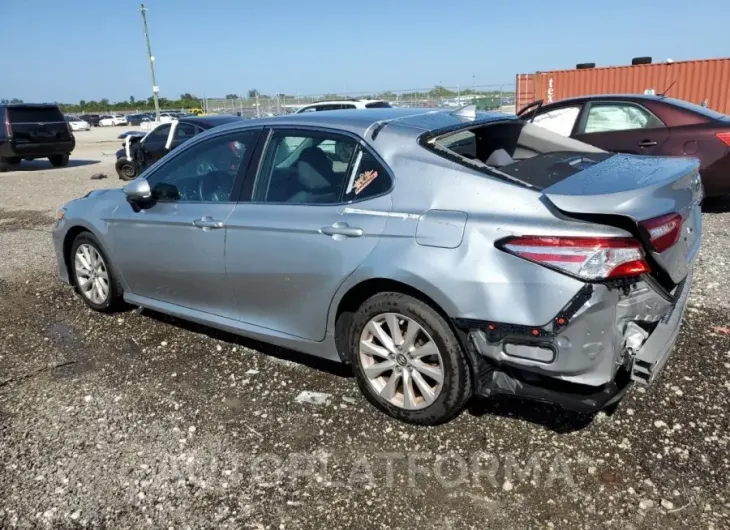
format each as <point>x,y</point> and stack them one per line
<point>697,109</point>
<point>34,114</point>
<point>378,105</point>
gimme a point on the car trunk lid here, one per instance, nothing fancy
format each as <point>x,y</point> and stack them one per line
<point>37,124</point>
<point>640,189</point>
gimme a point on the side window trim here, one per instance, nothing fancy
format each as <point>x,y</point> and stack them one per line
<point>254,171</point>
<point>583,118</point>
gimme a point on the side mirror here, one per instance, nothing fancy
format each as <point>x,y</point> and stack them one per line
<point>138,190</point>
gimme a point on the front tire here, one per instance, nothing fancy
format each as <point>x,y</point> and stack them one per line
<point>7,163</point>
<point>126,170</point>
<point>407,361</point>
<point>58,160</point>
<point>92,274</point>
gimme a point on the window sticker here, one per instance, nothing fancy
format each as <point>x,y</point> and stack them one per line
<point>364,179</point>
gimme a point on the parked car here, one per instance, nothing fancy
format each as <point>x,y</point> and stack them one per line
<point>137,119</point>
<point>167,117</point>
<point>440,253</point>
<point>77,124</point>
<point>345,104</point>
<point>112,120</point>
<point>140,150</point>
<point>92,119</point>
<point>645,125</point>
<point>30,131</point>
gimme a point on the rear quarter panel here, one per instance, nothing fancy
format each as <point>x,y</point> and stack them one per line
<point>475,279</point>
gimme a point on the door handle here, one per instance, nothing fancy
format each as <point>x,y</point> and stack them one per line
<point>208,222</point>
<point>341,229</point>
<point>647,143</point>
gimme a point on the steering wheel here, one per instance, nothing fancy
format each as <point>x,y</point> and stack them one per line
<point>210,187</point>
<point>204,167</point>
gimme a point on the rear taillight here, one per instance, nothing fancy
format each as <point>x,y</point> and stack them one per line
<point>590,258</point>
<point>8,130</point>
<point>663,231</point>
<point>724,137</point>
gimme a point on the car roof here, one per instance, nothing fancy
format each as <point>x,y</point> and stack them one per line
<point>209,121</point>
<point>344,100</point>
<point>33,105</point>
<point>612,97</point>
<point>417,120</point>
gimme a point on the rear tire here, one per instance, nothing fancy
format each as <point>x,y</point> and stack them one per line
<point>429,388</point>
<point>93,276</point>
<point>126,170</point>
<point>58,160</point>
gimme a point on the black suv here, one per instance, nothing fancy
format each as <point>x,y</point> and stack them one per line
<point>29,131</point>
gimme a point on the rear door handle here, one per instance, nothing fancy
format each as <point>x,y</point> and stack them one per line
<point>341,229</point>
<point>647,143</point>
<point>208,222</point>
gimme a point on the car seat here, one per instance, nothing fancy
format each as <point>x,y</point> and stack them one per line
<point>317,180</point>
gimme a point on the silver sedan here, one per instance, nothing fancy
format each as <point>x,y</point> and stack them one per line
<point>440,253</point>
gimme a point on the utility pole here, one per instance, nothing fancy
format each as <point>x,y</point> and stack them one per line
<point>155,88</point>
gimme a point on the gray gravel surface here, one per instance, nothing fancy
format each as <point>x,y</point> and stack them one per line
<point>137,419</point>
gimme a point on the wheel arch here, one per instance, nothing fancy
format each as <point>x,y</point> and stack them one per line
<point>68,241</point>
<point>356,294</point>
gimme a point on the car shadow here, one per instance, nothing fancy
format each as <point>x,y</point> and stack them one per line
<point>40,164</point>
<point>549,416</point>
<point>716,205</point>
<point>285,354</point>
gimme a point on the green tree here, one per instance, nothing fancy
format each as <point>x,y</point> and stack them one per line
<point>231,96</point>
<point>252,93</point>
<point>131,100</point>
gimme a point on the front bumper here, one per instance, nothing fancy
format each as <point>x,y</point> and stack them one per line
<point>58,235</point>
<point>587,356</point>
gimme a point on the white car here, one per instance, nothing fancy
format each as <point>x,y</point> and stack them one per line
<point>110,120</point>
<point>345,104</point>
<point>167,117</point>
<point>77,124</point>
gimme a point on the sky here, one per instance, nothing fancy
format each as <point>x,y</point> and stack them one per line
<point>69,50</point>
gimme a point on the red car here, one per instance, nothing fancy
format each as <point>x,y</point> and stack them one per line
<point>645,125</point>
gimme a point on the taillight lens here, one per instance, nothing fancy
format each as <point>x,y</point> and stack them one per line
<point>724,137</point>
<point>663,231</point>
<point>590,258</point>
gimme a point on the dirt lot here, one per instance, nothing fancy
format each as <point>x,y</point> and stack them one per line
<point>138,419</point>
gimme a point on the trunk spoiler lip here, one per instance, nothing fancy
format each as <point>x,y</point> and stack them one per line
<point>591,191</point>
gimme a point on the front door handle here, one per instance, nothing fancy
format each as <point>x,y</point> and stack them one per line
<point>647,143</point>
<point>341,229</point>
<point>208,222</point>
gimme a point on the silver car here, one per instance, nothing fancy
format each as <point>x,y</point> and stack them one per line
<point>440,253</point>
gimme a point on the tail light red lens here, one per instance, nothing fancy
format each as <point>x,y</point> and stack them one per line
<point>724,137</point>
<point>664,231</point>
<point>590,258</point>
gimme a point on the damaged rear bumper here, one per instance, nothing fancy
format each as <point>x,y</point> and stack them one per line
<point>587,356</point>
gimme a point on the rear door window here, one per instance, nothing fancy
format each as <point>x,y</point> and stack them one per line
<point>606,117</point>
<point>34,114</point>
<point>304,167</point>
<point>560,121</point>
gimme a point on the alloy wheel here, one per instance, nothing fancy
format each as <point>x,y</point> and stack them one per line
<point>401,361</point>
<point>91,274</point>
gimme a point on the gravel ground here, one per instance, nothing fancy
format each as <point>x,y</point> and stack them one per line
<point>138,419</point>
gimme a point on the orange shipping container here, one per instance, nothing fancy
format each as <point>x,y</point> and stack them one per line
<point>696,81</point>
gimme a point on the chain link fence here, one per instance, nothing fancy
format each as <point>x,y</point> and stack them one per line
<point>486,97</point>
